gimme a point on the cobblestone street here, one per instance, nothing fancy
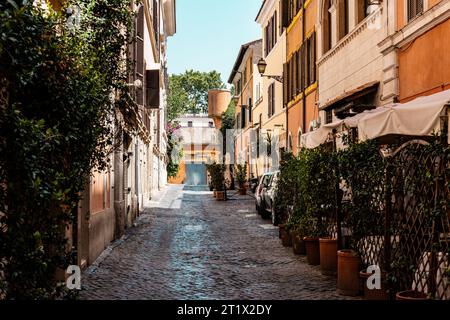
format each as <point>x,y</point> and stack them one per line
<point>189,246</point>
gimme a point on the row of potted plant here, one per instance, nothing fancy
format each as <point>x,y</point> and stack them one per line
<point>307,199</point>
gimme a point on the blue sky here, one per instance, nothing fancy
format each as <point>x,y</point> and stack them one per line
<point>210,33</point>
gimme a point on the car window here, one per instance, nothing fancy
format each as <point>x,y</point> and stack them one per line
<point>267,179</point>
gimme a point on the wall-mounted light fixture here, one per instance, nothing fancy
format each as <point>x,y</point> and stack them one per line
<point>262,65</point>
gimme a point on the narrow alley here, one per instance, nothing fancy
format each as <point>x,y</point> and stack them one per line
<point>190,246</point>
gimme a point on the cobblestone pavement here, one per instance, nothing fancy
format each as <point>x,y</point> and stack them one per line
<point>189,246</point>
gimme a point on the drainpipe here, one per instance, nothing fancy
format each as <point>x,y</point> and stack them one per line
<point>304,95</point>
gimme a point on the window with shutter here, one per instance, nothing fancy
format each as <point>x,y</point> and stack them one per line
<point>139,54</point>
<point>250,111</point>
<point>269,102</point>
<point>294,74</point>
<point>284,13</point>
<point>415,7</point>
<point>304,66</point>
<point>152,88</point>
<point>285,77</point>
<point>299,72</point>
<point>313,57</point>
<point>156,21</point>
<point>273,98</point>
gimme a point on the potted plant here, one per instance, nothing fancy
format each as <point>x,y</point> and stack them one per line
<point>285,235</point>
<point>241,177</point>
<point>298,244</point>
<point>308,227</point>
<point>217,173</point>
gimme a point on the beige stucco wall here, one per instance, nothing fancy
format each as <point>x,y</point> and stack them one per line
<point>354,61</point>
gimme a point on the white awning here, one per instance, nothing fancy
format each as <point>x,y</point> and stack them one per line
<point>419,117</point>
<point>317,137</point>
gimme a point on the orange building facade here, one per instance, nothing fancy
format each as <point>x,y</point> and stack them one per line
<point>300,92</point>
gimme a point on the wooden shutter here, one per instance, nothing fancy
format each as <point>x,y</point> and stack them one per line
<point>285,77</point>
<point>284,13</point>
<point>152,88</point>
<point>273,98</point>
<point>269,101</point>
<point>305,65</point>
<point>274,28</point>
<point>294,76</point>
<point>313,57</point>
<point>139,54</point>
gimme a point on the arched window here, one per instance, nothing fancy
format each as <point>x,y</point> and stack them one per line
<point>326,26</point>
<point>299,140</point>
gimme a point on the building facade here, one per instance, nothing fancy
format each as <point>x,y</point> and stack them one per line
<point>113,199</point>
<point>269,112</point>
<point>300,71</point>
<point>247,83</point>
<point>415,52</point>
<point>201,145</point>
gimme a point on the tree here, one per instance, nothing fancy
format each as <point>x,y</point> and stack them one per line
<point>188,92</point>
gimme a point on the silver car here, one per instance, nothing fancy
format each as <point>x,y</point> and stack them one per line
<point>265,195</point>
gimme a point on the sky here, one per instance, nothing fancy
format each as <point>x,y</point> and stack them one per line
<point>210,34</point>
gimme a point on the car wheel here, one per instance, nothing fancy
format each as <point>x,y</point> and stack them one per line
<point>274,217</point>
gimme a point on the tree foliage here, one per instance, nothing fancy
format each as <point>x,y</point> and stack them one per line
<point>188,92</point>
<point>55,127</point>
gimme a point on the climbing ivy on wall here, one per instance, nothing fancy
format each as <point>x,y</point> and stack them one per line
<point>63,85</point>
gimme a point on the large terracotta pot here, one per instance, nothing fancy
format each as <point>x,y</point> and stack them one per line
<point>280,230</point>
<point>328,256</point>
<point>411,295</point>
<point>215,193</point>
<point>348,273</point>
<point>220,195</point>
<point>286,238</point>
<point>242,191</point>
<point>312,250</point>
<point>373,294</point>
<point>298,245</point>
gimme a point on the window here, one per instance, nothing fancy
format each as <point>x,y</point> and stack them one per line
<point>270,34</point>
<point>415,7</point>
<point>243,117</point>
<point>326,26</point>
<point>343,18</point>
<point>238,87</point>
<point>328,116</point>
<point>271,100</point>
<point>190,125</point>
<point>312,58</point>
<point>363,9</point>
<point>250,111</point>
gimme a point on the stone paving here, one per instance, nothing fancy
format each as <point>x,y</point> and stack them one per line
<point>189,246</point>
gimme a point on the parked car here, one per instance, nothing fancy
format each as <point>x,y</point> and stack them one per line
<point>265,196</point>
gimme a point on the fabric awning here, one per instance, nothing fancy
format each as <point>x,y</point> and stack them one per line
<point>317,137</point>
<point>419,117</point>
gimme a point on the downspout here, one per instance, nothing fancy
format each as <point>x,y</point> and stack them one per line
<point>304,91</point>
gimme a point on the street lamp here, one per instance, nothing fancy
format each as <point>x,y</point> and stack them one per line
<point>262,65</point>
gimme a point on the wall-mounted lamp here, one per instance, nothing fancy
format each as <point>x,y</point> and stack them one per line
<point>262,65</point>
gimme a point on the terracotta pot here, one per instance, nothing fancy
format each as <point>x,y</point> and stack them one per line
<point>411,295</point>
<point>328,256</point>
<point>242,191</point>
<point>220,195</point>
<point>215,193</point>
<point>348,273</point>
<point>298,245</point>
<point>312,250</point>
<point>280,230</point>
<point>286,237</point>
<point>373,294</point>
